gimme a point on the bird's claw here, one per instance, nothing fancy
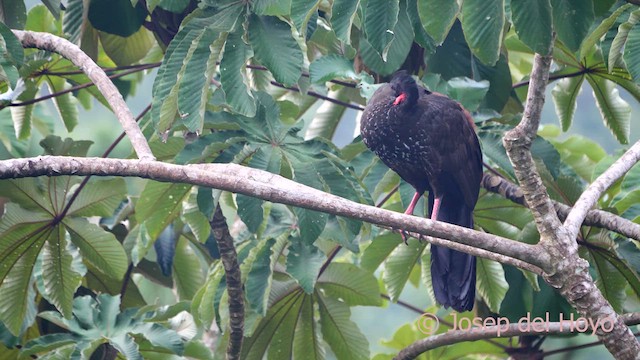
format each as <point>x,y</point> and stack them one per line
<point>405,237</point>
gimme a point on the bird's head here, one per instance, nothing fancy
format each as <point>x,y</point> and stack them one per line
<point>406,89</point>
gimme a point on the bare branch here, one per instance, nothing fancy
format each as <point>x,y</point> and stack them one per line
<point>597,218</point>
<point>568,273</point>
<point>70,51</point>
<point>504,330</point>
<point>233,277</point>
<point>275,188</point>
<point>591,195</point>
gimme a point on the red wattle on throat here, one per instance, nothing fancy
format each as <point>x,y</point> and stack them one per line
<point>402,97</point>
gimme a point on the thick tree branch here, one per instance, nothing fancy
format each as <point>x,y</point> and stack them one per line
<point>233,276</point>
<point>596,218</point>
<point>275,188</point>
<point>505,330</point>
<point>72,52</point>
<point>567,272</point>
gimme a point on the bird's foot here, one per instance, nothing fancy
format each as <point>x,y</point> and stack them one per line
<point>405,237</point>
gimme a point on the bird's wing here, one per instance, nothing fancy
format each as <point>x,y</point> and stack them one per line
<point>456,147</point>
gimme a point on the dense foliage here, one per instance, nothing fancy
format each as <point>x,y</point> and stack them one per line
<point>267,84</point>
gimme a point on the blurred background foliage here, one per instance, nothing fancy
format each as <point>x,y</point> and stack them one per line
<point>278,85</point>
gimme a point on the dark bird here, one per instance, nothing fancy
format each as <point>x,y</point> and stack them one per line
<point>429,140</point>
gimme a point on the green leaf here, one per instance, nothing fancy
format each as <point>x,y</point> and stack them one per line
<point>272,7</point>
<point>572,20</point>
<point>331,67</point>
<point>437,17</point>
<point>620,40</point>
<point>187,270</point>
<point>399,266</point>
<point>609,280</point>
<point>233,77</point>
<point>533,23</point>
<point>631,54</point>
<point>350,284</point>
<point>304,262</point>
<point>197,71</point>
<point>469,93</point>
<point>16,269</point>
<point>127,50</point>
<point>342,334</point>
<point>301,12</point>
<point>483,23</point>
<point>250,211</point>
<point>595,36</point>
<point>306,342</point>
<point>343,12</point>
<point>117,17</point>
<point>96,321</point>
<point>397,50</point>
<point>259,277</point>
<point>159,205</point>
<point>13,13</point>
<point>614,110</point>
<point>98,247</point>
<point>491,285</point>
<point>99,198</point>
<point>565,95</point>
<point>54,145</point>
<point>288,307</point>
<point>175,6</point>
<point>381,17</point>
<point>61,273</point>
<point>201,306</point>
<point>275,48</point>
<point>11,50</point>
<point>379,249</point>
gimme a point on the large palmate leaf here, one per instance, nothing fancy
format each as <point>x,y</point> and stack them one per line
<point>100,321</point>
<point>36,227</point>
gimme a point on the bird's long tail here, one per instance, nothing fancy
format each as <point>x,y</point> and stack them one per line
<point>453,273</point>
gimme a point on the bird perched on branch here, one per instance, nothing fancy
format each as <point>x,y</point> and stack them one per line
<point>429,140</point>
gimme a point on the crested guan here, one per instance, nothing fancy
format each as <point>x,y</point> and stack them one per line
<point>429,140</point>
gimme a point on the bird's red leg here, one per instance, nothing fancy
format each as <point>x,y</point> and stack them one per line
<point>409,211</point>
<point>436,207</point>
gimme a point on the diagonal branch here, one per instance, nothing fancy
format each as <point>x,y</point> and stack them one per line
<point>505,330</point>
<point>591,195</point>
<point>597,218</point>
<point>72,52</point>
<point>275,188</point>
<point>568,272</point>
